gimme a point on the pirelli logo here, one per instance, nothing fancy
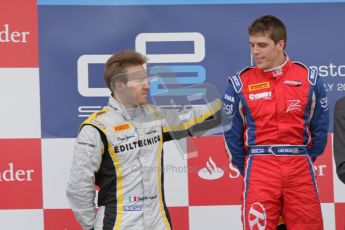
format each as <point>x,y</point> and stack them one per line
<point>258,86</point>
<point>122,127</point>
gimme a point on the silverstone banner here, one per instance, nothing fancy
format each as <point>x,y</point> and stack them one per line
<point>51,79</point>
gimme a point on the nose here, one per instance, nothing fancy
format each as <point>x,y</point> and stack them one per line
<point>254,49</point>
<point>146,85</point>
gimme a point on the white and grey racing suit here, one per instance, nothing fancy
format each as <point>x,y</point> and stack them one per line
<point>121,154</point>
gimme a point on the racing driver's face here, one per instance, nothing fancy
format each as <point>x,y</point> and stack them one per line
<point>265,52</point>
<point>138,85</point>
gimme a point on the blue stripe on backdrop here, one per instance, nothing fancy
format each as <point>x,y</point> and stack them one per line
<point>170,2</point>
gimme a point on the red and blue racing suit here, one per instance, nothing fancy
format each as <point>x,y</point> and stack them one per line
<point>278,126</point>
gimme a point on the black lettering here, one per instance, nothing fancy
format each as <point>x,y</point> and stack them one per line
<point>86,144</point>
<point>149,141</point>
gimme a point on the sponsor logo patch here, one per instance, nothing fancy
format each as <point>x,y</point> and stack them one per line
<point>258,96</point>
<point>84,144</point>
<point>293,83</point>
<point>229,109</point>
<point>137,144</point>
<point>229,98</point>
<point>98,123</point>
<point>257,216</point>
<point>294,105</point>
<point>257,151</point>
<point>236,81</point>
<point>324,103</point>
<point>313,73</point>
<point>124,138</point>
<point>258,86</point>
<point>122,127</point>
<point>138,198</point>
<point>277,72</point>
<point>288,150</point>
<point>134,207</point>
<point>151,132</point>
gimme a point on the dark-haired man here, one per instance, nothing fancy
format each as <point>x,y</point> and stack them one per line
<point>339,138</point>
<point>279,116</point>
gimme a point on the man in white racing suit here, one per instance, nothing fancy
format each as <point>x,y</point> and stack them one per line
<point>119,151</point>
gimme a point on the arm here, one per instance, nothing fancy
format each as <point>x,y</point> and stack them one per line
<point>339,138</point>
<point>81,184</point>
<point>233,128</point>
<point>319,121</point>
<point>191,122</point>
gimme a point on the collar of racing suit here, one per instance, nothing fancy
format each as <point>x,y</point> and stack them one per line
<point>115,105</point>
<point>128,113</point>
<point>276,71</point>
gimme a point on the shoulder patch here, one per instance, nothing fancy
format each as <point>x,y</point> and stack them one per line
<point>312,73</point>
<point>236,80</point>
<point>92,120</point>
<point>312,76</point>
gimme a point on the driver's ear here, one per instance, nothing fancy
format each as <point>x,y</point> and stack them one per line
<point>119,85</point>
<point>282,44</point>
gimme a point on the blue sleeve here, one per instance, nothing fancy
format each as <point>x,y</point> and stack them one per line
<point>233,127</point>
<point>320,120</point>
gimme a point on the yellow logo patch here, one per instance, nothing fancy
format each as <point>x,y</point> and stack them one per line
<point>122,127</point>
<point>258,86</point>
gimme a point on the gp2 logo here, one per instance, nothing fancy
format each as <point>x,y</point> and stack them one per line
<point>190,74</point>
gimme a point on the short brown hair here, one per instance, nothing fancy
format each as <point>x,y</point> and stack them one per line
<point>271,25</point>
<point>119,62</point>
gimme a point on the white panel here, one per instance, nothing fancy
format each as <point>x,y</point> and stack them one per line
<point>215,217</point>
<point>21,219</point>
<point>328,215</point>
<point>339,186</point>
<point>83,75</point>
<point>20,103</point>
<point>176,174</point>
<point>197,38</point>
<point>57,157</point>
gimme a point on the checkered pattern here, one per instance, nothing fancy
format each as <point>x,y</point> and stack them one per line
<point>34,170</point>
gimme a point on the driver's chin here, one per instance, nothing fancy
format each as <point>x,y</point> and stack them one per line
<point>261,66</point>
<point>142,102</point>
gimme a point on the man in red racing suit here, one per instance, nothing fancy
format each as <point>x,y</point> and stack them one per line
<point>278,116</point>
